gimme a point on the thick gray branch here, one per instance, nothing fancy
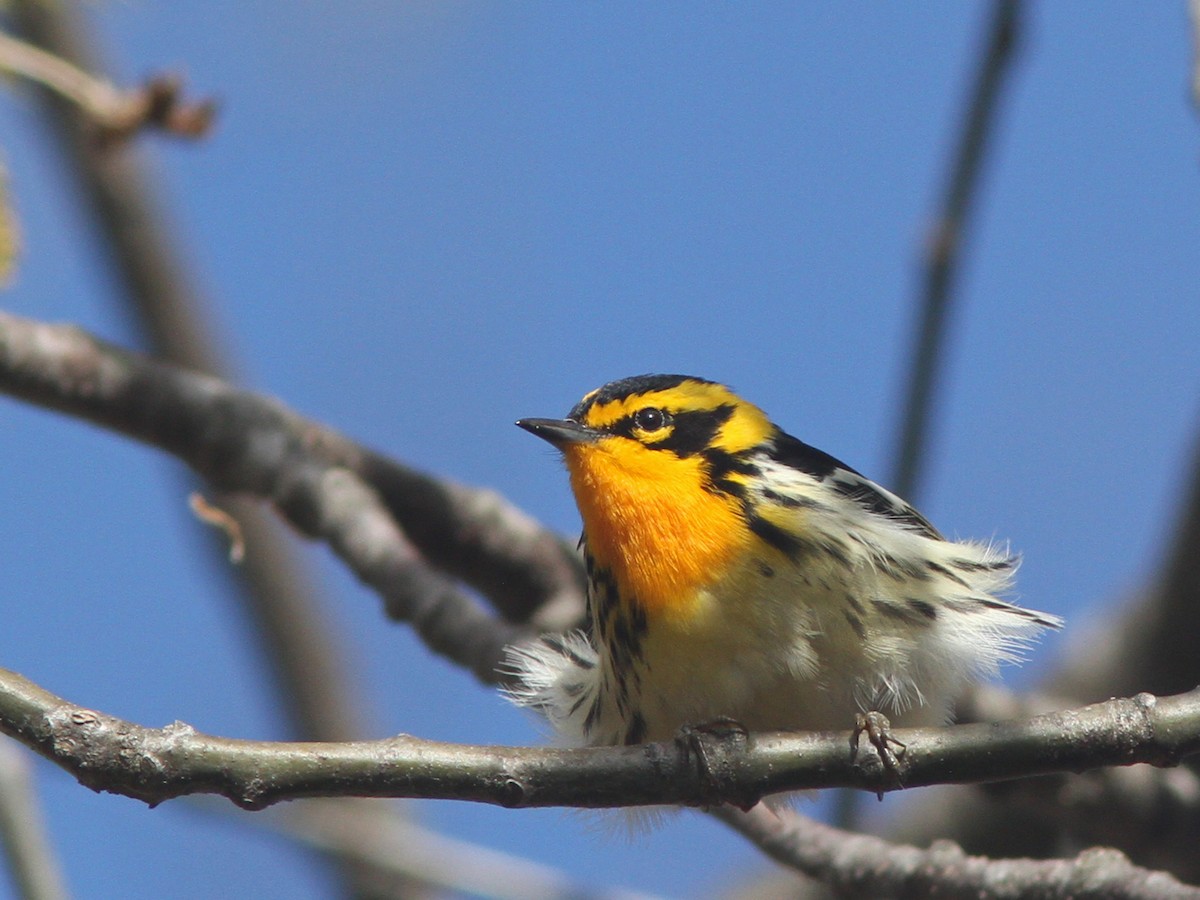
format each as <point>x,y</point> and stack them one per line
<point>156,764</point>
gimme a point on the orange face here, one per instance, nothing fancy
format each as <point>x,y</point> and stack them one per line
<point>640,453</point>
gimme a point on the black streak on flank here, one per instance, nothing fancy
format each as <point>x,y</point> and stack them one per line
<point>637,620</point>
<point>793,502</point>
<point>924,607</point>
<point>774,535</point>
<point>857,625</point>
<point>560,645</point>
<point>901,613</point>
<point>636,733</point>
<point>942,570</point>
<point>593,715</point>
<point>720,465</point>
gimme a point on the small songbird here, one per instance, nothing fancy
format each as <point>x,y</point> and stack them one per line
<point>736,573</point>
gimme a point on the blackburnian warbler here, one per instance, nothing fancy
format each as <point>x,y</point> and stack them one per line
<point>735,572</point>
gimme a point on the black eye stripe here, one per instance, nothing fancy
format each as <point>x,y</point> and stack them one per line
<point>684,432</point>
<point>693,431</point>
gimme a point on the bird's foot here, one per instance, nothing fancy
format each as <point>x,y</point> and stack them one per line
<point>878,729</point>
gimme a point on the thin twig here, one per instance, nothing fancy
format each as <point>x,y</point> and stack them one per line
<point>116,113</point>
<point>157,764</point>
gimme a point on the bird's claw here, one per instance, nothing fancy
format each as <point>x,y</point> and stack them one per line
<point>878,729</point>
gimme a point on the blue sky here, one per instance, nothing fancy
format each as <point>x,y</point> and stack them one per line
<point>419,222</point>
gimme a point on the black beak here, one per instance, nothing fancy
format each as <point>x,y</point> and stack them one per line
<point>560,432</point>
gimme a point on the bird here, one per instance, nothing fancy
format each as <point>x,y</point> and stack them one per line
<point>738,574</point>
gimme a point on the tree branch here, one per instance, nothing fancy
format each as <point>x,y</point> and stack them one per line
<point>864,866</point>
<point>116,113</point>
<point>244,442</point>
<point>157,764</point>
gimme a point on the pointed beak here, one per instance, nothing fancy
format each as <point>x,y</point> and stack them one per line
<point>560,432</point>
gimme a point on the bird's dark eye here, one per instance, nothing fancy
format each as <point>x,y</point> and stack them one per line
<point>650,419</point>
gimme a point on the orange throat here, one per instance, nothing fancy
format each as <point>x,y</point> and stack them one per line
<point>651,521</point>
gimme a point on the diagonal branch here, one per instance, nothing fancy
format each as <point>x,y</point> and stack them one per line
<point>157,764</point>
<point>320,481</point>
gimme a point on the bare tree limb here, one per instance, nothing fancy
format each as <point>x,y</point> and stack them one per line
<point>281,600</point>
<point>157,764</point>
<point>857,865</point>
<point>246,443</point>
<point>236,439</point>
<point>277,593</point>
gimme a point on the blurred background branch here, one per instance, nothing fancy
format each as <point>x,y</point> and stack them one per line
<point>245,443</point>
<point>277,589</point>
<point>160,296</point>
<point>1194,15</point>
<point>32,862</point>
<point>944,248</point>
<point>945,244</point>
